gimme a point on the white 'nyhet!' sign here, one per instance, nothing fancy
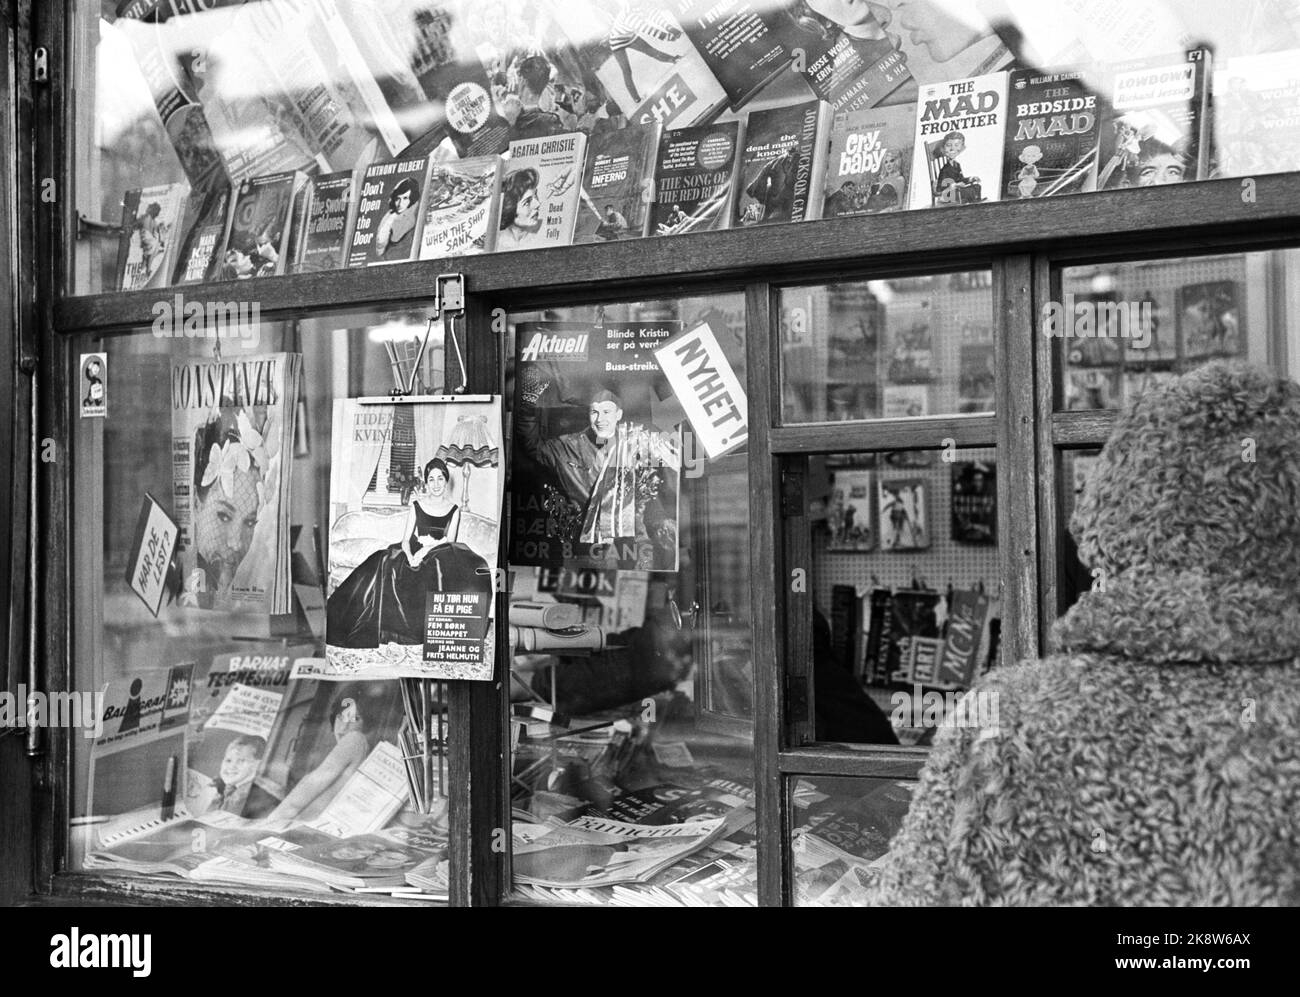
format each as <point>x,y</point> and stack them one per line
<point>707,388</point>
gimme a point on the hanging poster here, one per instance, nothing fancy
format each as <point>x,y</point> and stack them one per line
<point>597,449</point>
<point>415,510</point>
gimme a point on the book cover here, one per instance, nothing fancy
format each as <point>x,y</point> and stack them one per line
<point>645,63</point>
<point>1052,133</point>
<point>329,210</point>
<point>151,235</point>
<point>1256,114</point>
<point>901,507</point>
<point>958,145</point>
<point>910,356</point>
<point>461,201</point>
<point>746,43</point>
<point>875,667</point>
<point>849,511</point>
<point>1091,388</point>
<point>261,224</point>
<point>597,454</point>
<point>695,179</point>
<point>783,164</point>
<point>387,227</point>
<point>232,423</point>
<point>870,161</point>
<point>207,217</point>
<point>618,184</point>
<point>976,377</point>
<point>541,190</point>
<point>974,502</point>
<point>1210,320</point>
<point>850,60</point>
<point>911,615</point>
<point>966,639</point>
<point>1153,130</point>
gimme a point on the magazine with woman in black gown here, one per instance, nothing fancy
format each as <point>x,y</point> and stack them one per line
<point>383,600</point>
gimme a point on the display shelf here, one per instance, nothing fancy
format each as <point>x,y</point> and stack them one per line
<point>1201,214</point>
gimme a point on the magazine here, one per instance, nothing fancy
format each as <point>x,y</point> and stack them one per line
<point>1210,320</point>
<point>901,506</point>
<point>597,851</point>
<point>849,511</point>
<point>974,502</point>
<point>382,858</point>
<point>415,500</point>
<point>595,479</point>
<point>461,201</point>
<point>232,424</point>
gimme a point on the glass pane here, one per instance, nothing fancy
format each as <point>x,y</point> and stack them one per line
<point>1073,578</point>
<point>632,682</point>
<point>210,755</point>
<point>1122,326</point>
<point>905,583</point>
<point>842,828</point>
<point>892,349</point>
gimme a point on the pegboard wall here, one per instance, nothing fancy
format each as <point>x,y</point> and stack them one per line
<point>945,560</point>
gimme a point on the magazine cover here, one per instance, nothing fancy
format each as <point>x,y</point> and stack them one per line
<point>149,244</point>
<point>541,189</point>
<point>746,43</point>
<point>1257,114</point>
<point>783,164</point>
<point>207,216</point>
<point>237,706</point>
<point>618,184</point>
<point>415,517</point>
<point>905,401</point>
<point>849,511</point>
<point>1154,130</point>
<point>232,424</point>
<point>900,504</point>
<point>870,161</point>
<point>595,479</point>
<point>957,151</point>
<point>387,229</point>
<point>329,207</point>
<point>1210,320</point>
<point>695,179</point>
<point>1091,388</point>
<point>261,225</point>
<point>855,63</point>
<point>1052,135</point>
<point>460,207</point>
<point>974,502</point>
<point>966,643</point>
<point>140,742</point>
<point>644,61</point>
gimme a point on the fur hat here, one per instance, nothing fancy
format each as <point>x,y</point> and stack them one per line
<point>1201,474</point>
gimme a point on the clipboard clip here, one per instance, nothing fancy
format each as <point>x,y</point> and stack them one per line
<point>448,304</point>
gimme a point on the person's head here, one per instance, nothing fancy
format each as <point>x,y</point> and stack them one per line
<point>386,858</point>
<point>937,25</point>
<point>604,414</point>
<point>436,477</point>
<point>1030,155</point>
<point>404,195</point>
<point>591,102</point>
<point>154,209</point>
<point>954,144</point>
<point>891,164</point>
<point>239,764</point>
<point>1158,165</point>
<point>520,205</point>
<point>534,74</point>
<point>609,212</point>
<point>226,503</point>
<point>241,259</point>
<point>93,367</point>
<point>1200,478</point>
<point>677,209</point>
<point>357,706</point>
<point>825,17</point>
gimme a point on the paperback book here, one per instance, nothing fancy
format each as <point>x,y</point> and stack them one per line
<point>207,217</point>
<point>695,179</point>
<point>958,146</point>
<point>618,184</point>
<point>1052,122</point>
<point>541,190</point>
<point>387,229</point>
<point>746,43</point>
<point>261,225</point>
<point>330,204</point>
<point>783,165</point>
<point>855,63</point>
<point>461,201</point>
<point>870,161</point>
<point>1257,114</point>
<point>151,235</point>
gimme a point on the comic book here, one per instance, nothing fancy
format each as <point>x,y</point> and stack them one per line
<point>958,146</point>
<point>1052,135</point>
<point>232,425</point>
